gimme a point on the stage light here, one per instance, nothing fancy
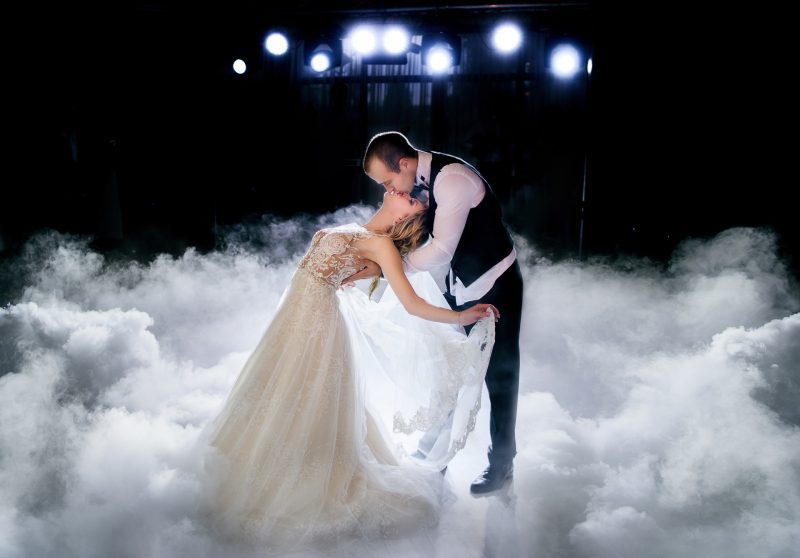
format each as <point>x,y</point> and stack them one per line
<point>396,40</point>
<point>565,60</point>
<point>364,40</point>
<point>589,67</point>
<point>507,38</point>
<point>239,66</point>
<point>320,61</point>
<point>323,53</point>
<point>439,59</point>
<point>441,51</point>
<point>276,44</point>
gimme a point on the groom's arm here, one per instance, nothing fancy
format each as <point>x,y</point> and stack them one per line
<point>456,193</point>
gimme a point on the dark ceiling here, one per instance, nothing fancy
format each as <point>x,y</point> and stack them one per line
<point>698,100</point>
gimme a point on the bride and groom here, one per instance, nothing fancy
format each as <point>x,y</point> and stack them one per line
<point>298,452</point>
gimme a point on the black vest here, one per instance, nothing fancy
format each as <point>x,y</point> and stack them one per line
<point>485,240</point>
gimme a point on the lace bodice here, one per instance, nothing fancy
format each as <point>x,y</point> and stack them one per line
<point>331,257</point>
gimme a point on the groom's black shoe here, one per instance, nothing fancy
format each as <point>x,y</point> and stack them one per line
<point>493,478</point>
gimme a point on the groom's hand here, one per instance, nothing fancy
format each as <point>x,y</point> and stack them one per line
<point>367,270</point>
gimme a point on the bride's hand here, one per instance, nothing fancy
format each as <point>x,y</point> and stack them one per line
<point>475,313</point>
<point>367,270</point>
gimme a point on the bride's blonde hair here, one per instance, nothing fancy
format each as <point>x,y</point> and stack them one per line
<point>406,235</point>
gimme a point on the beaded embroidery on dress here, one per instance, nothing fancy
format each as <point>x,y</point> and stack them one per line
<point>294,459</point>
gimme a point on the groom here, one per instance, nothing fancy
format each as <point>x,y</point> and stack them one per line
<point>465,221</point>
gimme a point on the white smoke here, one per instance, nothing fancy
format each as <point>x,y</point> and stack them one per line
<point>658,412</point>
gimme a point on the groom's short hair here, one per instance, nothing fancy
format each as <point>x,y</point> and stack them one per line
<point>389,148</point>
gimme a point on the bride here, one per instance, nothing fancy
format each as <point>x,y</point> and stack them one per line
<point>295,456</point>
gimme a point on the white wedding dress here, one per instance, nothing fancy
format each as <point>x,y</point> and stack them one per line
<point>298,456</point>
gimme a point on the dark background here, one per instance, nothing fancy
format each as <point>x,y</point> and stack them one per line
<point>127,124</point>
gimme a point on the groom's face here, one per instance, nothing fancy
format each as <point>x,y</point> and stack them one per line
<point>393,181</point>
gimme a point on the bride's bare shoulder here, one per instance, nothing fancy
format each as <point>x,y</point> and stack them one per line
<point>375,243</point>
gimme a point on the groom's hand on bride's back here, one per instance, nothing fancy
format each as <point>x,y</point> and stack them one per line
<point>368,270</point>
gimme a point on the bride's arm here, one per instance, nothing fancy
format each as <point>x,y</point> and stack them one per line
<point>382,251</point>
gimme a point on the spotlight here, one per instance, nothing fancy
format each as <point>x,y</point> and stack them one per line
<point>441,51</point>
<point>321,61</point>
<point>323,53</point>
<point>396,40</point>
<point>506,38</point>
<point>239,66</point>
<point>364,40</point>
<point>276,44</point>
<point>439,59</point>
<point>565,60</point>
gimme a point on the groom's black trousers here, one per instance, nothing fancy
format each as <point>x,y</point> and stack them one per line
<point>502,377</point>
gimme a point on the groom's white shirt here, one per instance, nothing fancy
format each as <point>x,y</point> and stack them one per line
<point>457,190</point>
